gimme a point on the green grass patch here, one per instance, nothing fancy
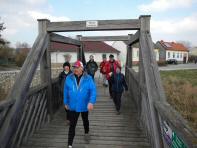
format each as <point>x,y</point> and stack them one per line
<point>182,75</point>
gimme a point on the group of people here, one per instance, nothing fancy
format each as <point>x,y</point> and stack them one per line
<point>111,71</point>
<point>79,90</point>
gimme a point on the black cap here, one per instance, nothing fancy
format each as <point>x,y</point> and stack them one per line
<point>111,56</point>
<point>66,64</point>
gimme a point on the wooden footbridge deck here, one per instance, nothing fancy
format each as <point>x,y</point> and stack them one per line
<point>107,130</point>
<point>34,117</point>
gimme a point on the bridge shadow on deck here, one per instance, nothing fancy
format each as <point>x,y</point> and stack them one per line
<point>107,130</point>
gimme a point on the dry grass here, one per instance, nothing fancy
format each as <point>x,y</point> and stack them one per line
<point>181,91</point>
<point>3,94</point>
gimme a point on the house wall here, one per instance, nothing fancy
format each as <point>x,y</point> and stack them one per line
<point>135,55</point>
<point>98,57</point>
<point>162,52</point>
<point>122,47</point>
<point>58,57</point>
<point>178,55</point>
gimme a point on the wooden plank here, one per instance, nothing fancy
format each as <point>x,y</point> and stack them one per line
<point>134,38</point>
<point>42,113</point>
<point>29,128</point>
<point>5,104</point>
<point>4,110</point>
<point>37,89</point>
<point>130,24</point>
<point>147,65</point>
<point>105,128</point>
<point>104,38</point>
<point>62,39</point>
<point>19,92</point>
<point>23,122</point>
<point>37,114</point>
<point>45,68</point>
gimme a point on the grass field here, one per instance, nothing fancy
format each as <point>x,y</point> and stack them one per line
<point>181,91</point>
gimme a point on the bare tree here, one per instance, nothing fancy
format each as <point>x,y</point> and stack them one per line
<point>1,26</point>
<point>22,45</point>
<point>187,44</point>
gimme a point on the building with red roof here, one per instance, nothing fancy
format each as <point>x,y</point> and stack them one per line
<point>96,48</point>
<point>172,50</point>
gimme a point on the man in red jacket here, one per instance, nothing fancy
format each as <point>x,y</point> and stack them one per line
<point>103,70</point>
<point>111,67</point>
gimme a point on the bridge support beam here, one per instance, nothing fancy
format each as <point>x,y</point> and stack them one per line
<point>45,67</point>
<point>80,52</point>
<point>147,80</point>
<point>128,61</point>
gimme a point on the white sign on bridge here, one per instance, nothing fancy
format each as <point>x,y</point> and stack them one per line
<point>91,23</point>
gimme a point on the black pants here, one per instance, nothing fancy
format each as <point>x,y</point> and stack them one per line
<point>73,116</point>
<point>110,88</point>
<point>117,100</point>
<point>67,114</point>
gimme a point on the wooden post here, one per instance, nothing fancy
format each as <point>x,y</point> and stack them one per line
<point>45,67</point>
<point>128,60</point>
<point>79,51</point>
<point>147,79</point>
<point>130,51</point>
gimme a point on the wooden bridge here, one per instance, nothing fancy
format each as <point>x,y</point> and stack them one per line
<point>34,117</point>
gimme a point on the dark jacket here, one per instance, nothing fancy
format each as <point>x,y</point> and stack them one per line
<point>62,78</point>
<point>118,83</point>
<point>91,67</point>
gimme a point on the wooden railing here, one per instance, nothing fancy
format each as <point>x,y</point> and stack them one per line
<point>167,117</point>
<point>34,113</point>
<point>56,95</point>
<point>164,126</point>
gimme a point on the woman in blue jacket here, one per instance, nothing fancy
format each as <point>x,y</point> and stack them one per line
<point>118,86</point>
<point>79,98</point>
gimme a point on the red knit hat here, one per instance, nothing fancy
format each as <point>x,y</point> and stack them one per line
<point>78,64</point>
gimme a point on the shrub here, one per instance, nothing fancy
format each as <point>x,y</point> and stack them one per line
<point>182,95</point>
<point>161,63</point>
<point>20,58</point>
<point>3,94</point>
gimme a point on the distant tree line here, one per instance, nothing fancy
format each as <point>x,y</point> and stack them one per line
<point>9,55</point>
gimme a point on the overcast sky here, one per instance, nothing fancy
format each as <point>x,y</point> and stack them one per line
<point>171,20</point>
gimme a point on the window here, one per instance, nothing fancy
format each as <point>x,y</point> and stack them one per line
<point>138,53</point>
<point>104,56</point>
<point>168,54</point>
<point>181,55</point>
<point>173,54</point>
<point>177,55</point>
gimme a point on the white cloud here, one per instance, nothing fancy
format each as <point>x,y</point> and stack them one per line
<point>184,25</point>
<point>20,17</point>
<point>163,5</point>
<point>182,29</point>
<point>39,15</point>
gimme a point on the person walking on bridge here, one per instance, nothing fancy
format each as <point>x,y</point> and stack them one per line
<point>62,77</point>
<point>79,98</point>
<point>103,71</point>
<point>118,86</point>
<point>111,67</point>
<point>91,66</point>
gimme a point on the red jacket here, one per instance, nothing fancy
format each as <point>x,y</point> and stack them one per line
<point>103,67</point>
<point>115,64</point>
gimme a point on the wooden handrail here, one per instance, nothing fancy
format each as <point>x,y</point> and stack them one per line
<point>5,104</point>
<point>21,87</point>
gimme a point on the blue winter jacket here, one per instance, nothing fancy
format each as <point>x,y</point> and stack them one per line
<point>76,96</point>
